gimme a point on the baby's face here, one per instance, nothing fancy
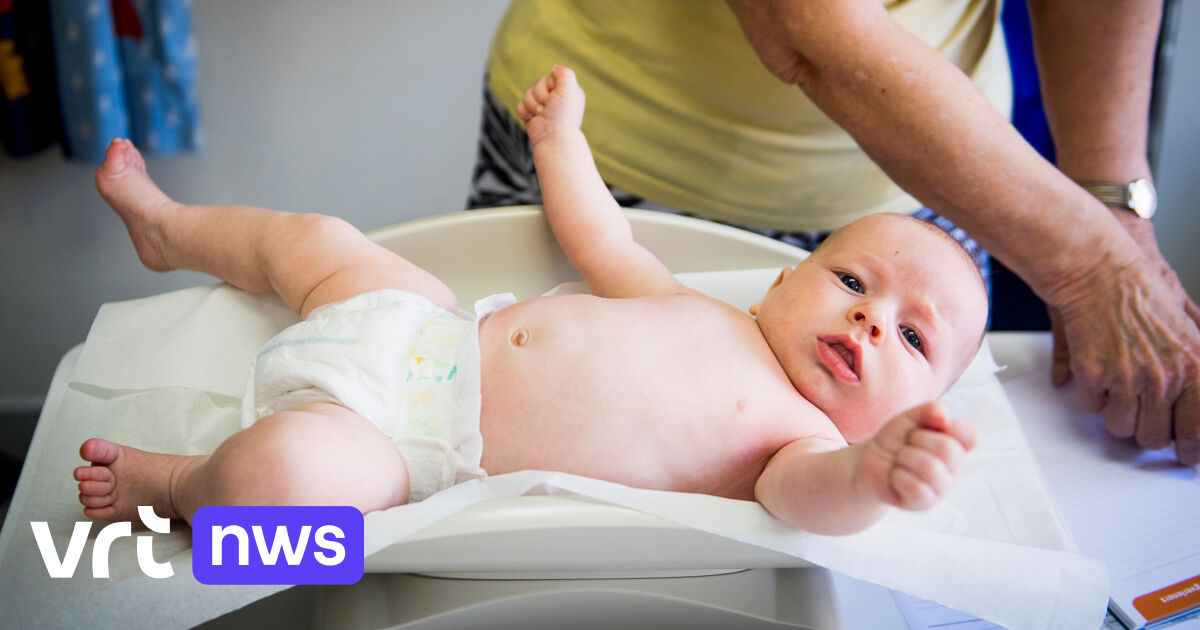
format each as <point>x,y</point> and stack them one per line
<point>882,317</point>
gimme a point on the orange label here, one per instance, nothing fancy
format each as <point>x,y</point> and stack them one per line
<point>1171,600</point>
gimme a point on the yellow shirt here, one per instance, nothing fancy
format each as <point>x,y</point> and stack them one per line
<point>682,112</point>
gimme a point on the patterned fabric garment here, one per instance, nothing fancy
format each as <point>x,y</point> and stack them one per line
<point>505,176</point>
<point>126,70</point>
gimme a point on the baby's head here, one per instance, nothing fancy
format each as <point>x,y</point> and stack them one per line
<point>884,315</point>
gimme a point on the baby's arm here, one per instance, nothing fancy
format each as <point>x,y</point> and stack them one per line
<point>911,463</point>
<point>588,223</point>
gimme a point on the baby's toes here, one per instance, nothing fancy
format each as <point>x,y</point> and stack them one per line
<point>93,473</point>
<point>96,488</point>
<point>103,513</point>
<point>95,500</point>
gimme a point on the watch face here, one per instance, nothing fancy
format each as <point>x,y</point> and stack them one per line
<point>1142,199</point>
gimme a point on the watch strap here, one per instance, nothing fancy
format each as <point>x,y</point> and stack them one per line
<point>1137,196</point>
<point>1108,193</point>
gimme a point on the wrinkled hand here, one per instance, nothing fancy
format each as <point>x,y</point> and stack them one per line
<point>914,459</point>
<point>1131,343</point>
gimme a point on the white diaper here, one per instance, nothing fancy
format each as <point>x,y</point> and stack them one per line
<point>408,366</point>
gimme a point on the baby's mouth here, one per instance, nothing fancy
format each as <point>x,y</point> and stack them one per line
<point>840,356</point>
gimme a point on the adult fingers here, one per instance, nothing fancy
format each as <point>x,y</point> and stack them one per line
<point>1169,396</point>
<point>1193,311</point>
<point>1154,415</point>
<point>1134,348</point>
<point>1092,381</point>
<point>1121,412</point>
<point>1187,423</point>
<point>1060,366</point>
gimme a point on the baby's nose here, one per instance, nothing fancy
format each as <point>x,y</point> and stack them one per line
<point>874,332</point>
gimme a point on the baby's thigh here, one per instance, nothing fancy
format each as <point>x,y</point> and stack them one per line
<point>318,454</point>
<point>373,268</point>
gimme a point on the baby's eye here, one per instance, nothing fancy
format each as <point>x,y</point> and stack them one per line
<point>851,282</point>
<point>911,337</point>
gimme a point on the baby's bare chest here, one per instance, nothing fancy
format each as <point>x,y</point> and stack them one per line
<point>639,396</point>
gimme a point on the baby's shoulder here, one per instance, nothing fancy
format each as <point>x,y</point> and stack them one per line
<point>694,301</point>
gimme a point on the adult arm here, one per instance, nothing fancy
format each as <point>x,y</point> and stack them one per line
<point>1096,61</point>
<point>924,122</point>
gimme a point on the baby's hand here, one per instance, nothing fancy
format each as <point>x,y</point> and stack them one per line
<point>555,103</point>
<point>914,459</point>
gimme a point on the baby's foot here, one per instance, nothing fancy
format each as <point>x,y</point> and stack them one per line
<point>123,183</point>
<point>554,104</point>
<point>122,477</point>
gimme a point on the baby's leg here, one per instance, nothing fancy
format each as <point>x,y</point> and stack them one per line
<point>307,259</point>
<point>318,454</point>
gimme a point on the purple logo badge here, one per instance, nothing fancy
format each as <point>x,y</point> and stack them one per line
<point>277,545</point>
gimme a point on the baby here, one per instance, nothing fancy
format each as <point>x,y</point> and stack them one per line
<point>367,402</point>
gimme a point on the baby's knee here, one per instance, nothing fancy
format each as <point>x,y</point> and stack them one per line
<point>316,232</point>
<point>309,458</point>
<point>322,227</point>
<point>265,464</point>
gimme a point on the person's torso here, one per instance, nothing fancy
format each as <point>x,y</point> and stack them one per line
<point>682,112</point>
<point>675,392</point>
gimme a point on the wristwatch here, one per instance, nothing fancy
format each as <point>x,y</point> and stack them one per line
<point>1137,196</point>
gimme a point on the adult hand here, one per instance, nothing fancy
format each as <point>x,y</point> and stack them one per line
<point>1129,338</point>
<point>1142,231</point>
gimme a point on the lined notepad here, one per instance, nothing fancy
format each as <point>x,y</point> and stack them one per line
<point>1138,511</point>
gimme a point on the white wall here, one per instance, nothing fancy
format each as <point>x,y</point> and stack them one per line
<point>367,110</point>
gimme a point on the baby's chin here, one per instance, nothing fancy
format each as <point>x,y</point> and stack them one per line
<point>859,429</point>
<point>860,424</point>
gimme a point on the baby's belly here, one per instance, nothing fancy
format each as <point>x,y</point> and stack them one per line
<point>590,388</point>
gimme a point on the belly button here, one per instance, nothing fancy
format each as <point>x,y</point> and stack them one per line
<point>519,337</point>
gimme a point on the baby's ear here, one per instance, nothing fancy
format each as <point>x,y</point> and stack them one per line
<point>783,274</point>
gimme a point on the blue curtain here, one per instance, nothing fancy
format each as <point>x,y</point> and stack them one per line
<point>125,69</point>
